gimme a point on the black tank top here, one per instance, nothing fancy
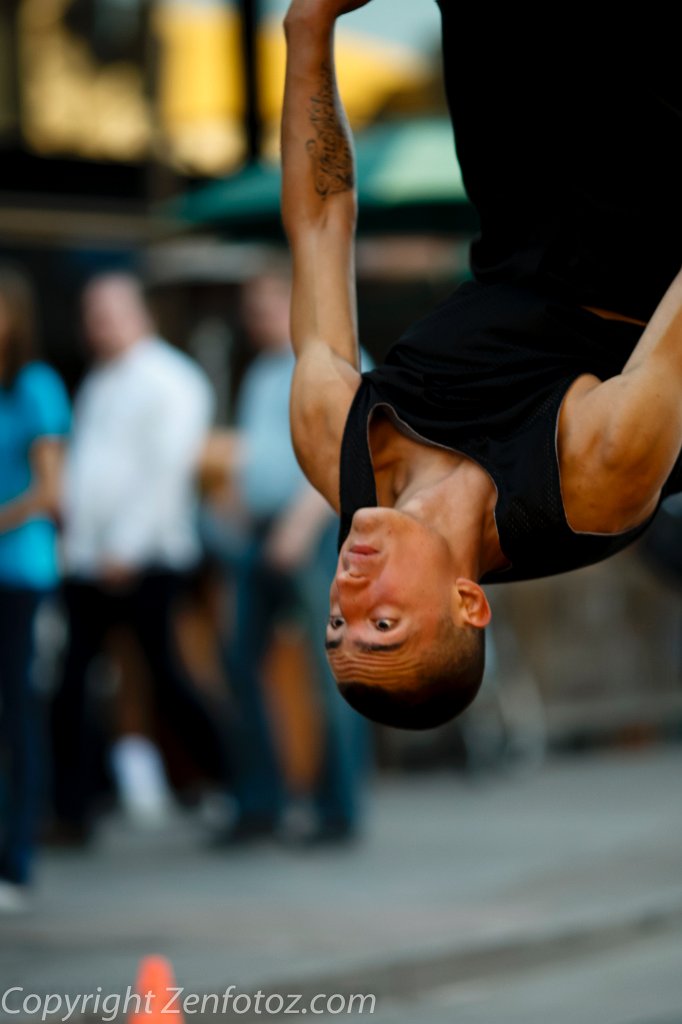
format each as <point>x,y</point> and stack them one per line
<point>485,373</point>
<point>570,146</point>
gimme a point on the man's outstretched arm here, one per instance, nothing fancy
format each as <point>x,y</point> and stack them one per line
<point>621,437</point>
<point>319,212</point>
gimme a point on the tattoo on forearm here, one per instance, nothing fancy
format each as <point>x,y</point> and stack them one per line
<point>330,150</point>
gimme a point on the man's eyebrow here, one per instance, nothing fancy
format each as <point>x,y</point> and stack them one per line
<point>331,645</point>
<point>378,647</point>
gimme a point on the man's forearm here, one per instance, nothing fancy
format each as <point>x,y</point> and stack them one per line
<point>319,205</point>
<point>660,340</point>
<point>318,172</point>
<point>633,420</point>
<point>644,399</point>
<point>42,498</point>
<point>19,510</point>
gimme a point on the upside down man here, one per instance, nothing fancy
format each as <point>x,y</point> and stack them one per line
<point>529,425</point>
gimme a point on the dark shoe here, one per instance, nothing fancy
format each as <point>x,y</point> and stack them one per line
<point>67,835</point>
<point>330,833</point>
<point>244,831</point>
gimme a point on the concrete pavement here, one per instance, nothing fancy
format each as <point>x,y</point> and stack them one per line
<point>458,893</point>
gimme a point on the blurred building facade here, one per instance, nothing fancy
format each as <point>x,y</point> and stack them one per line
<point>109,106</point>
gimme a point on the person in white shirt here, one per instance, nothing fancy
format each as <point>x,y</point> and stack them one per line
<point>129,529</point>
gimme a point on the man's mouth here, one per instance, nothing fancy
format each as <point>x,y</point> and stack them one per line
<point>363,549</point>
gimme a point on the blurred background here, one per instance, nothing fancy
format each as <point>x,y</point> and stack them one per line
<point>178,773</point>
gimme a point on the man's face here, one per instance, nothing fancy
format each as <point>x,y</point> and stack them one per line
<point>264,309</point>
<point>394,582</point>
<point>112,317</point>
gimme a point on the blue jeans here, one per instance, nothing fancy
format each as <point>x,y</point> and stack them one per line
<point>21,740</point>
<point>262,593</point>
<point>347,748</point>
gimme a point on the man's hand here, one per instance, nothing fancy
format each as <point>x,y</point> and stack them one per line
<point>289,546</point>
<point>329,10</point>
<point>116,576</point>
<point>295,535</point>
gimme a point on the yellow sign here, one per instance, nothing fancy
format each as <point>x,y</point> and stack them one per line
<point>75,104</point>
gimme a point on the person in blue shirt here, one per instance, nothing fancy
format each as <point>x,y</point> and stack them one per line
<point>34,419</point>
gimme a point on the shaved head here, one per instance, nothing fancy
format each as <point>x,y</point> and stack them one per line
<point>415,693</point>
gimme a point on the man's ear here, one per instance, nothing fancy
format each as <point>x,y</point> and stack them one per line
<point>473,605</point>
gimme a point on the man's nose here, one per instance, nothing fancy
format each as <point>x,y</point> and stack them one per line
<point>351,579</point>
<point>353,596</point>
<point>367,518</point>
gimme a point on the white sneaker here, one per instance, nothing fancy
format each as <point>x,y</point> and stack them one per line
<point>143,788</point>
<point>12,898</point>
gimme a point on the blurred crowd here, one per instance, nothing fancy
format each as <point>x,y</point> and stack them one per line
<point>163,591</point>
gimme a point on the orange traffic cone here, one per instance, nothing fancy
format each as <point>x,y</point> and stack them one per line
<point>155,985</point>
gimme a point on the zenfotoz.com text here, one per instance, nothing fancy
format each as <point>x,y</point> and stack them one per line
<point>174,1001</point>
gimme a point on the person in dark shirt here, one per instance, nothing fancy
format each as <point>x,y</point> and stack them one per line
<point>530,424</point>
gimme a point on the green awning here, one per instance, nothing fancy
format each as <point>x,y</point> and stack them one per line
<point>408,179</point>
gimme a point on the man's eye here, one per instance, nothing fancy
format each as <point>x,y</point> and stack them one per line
<point>384,624</point>
<point>336,621</point>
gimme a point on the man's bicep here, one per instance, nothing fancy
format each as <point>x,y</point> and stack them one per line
<point>322,390</point>
<point>619,440</point>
